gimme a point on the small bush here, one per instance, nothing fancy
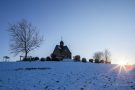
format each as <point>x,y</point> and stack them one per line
<point>36,58</point>
<point>108,62</point>
<point>48,58</point>
<point>84,60</point>
<point>42,59</point>
<point>96,60</point>
<point>32,59</point>
<point>91,60</point>
<point>102,61</point>
<point>77,58</point>
<point>26,59</point>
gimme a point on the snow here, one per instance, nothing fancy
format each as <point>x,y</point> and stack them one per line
<point>67,75</point>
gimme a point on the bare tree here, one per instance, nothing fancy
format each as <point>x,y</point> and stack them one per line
<point>5,58</point>
<point>107,56</point>
<point>24,37</point>
<point>98,55</point>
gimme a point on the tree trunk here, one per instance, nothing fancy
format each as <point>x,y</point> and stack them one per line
<point>26,55</point>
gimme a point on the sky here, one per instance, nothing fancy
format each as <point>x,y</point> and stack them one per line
<point>86,26</point>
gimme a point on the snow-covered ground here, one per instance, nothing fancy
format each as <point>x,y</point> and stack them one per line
<point>64,76</point>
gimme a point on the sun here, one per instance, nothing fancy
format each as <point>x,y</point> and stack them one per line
<point>120,67</point>
<point>123,66</point>
<point>122,63</point>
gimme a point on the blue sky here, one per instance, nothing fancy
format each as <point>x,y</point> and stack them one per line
<point>86,26</point>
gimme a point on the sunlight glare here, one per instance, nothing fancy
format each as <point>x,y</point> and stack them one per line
<point>122,66</point>
<point>122,63</point>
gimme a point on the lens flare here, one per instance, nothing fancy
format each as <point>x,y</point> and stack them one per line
<point>123,67</point>
<point>122,63</point>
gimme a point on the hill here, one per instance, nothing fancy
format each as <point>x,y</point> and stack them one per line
<point>65,76</point>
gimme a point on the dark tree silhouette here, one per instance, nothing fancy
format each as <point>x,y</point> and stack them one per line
<point>97,61</point>
<point>48,58</point>
<point>36,58</point>
<point>102,61</point>
<point>24,37</point>
<point>42,59</point>
<point>84,60</point>
<point>98,55</point>
<point>5,58</point>
<point>91,60</point>
<point>77,58</point>
<point>107,56</point>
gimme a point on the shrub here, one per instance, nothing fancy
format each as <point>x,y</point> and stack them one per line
<point>26,59</point>
<point>32,59</point>
<point>96,60</point>
<point>91,60</point>
<point>108,62</point>
<point>102,61</point>
<point>42,59</point>
<point>84,60</point>
<point>48,58</point>
<point>77,58</point>
<point>36,58</point>
<point>98,55</point>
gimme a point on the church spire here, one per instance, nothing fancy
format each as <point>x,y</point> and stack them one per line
<point>61,42</point>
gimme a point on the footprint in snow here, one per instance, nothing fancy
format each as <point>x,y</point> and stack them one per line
<point>133,86</point>
<point>57,81</point>
<point>62,88</point>
<point>81,88</point>
<point>39,81</point>
<point>46,87</point>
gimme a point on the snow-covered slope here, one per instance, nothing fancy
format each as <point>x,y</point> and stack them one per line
<point>64,76</point>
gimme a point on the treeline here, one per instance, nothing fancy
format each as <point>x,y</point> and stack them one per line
<point>75,59</point>
<point>40,59</point>
<point>98,57</point>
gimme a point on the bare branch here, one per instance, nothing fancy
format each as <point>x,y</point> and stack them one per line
<point>24,37</point>
<point>98,55</point>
